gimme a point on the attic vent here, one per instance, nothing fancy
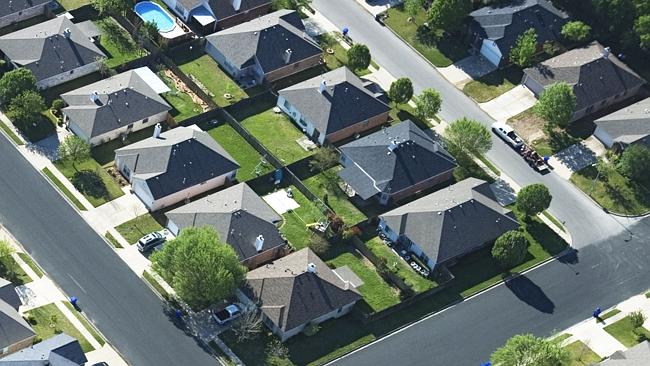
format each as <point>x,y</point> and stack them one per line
<point>646,111</point>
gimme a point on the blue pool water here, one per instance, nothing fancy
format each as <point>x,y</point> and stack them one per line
<point>149,11</point>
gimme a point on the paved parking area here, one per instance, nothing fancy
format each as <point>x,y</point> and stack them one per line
<point>467,69</point>
<point>577,157</point>
<point>509,104</point>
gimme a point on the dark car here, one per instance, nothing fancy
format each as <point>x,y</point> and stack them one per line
<point>150,241</point>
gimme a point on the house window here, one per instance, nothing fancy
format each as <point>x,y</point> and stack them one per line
<point>286,104</point>
<point>145,120</point>
<point>302,122</point>
<point>126,171</point>
<point>130,126</point>
<point>71,71</point>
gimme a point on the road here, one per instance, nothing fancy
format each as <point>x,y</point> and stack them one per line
<point>119,303</point>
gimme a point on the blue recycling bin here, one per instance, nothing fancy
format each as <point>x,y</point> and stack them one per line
<point>345,31</point>
<point>73,301</point>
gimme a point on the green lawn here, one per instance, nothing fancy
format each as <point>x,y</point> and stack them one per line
<point>581,355</point>
<point>182,104</point>
<point>111,239</point>
<point>248,158</point>
<point>213,80</point>
<point>91,180</point>
<point>609,314</point>
<point>63,189</point>
<point>86,323</point>
<point>117,43</point>
<point>104,154</point>
<point>11,134</point>
<point>73,4</point>
<point>623,331</point>
<point>555,221</point>
<point>148,277</point>
<point>294,226</point>
<point>28,260</point>
<point>142,225</point>
<point>278,134</point>
<point>335,55</point>
<point>557,142</point>
<point>614,192</point>
<point>326,183</point>
<point>444,53</point>
<point>48,321</point>
<point>16,276</point>
<point>493,84</point>
<point>561,337</point>
<point>34,133</point>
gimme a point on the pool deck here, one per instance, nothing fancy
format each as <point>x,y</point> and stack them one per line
<point>176,32</point>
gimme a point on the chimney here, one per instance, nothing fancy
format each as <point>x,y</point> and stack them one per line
<point>236,4</point>
<point>311,267</point>
<point>606,52</point>
<point>94,97</point>
<point>66,33</point>
<point>259,242</point>
<point>157,130</point>
<point>322,87</point>
<point>287,56</point>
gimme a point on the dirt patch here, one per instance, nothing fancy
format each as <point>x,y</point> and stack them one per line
<point>528,125</point>
<point>181,87</point>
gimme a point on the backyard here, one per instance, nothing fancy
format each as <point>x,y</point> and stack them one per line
<point>73,4</point>
<point>493,84</point>
<point>117,43</point>
<point>104,154</point>
<point>48,321</point>
<point>142,225</point>
<point>294,227</point>
<point>91,180</point>
<point>182,103</point>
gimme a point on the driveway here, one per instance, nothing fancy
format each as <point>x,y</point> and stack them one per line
<point>577,157</point>
<point>466,70</point>
<point>510,104</point>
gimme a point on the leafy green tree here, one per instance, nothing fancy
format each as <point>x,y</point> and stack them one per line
<point>468,136</point>
<point>74,150</point>
<point>613,17</point>
<point>448,15</point>
<point>318,244</point>
<point>523,52</point>
<point>57,105</point>
<point>401,90</point>
<point>556,105</point>
<point>358,57</point>
<point>112,7</point>
<point>7,263</point>
<point>642,28</point>
<point>148,30</point>
<point>533,199</point>
<point>637,318</point>
<point>199,266</point>
<point>510,249</point>
<point>642,7</point>
<point>528,350</point>
<point>635,163</point>
<point>15,82</point>
<point>324,158</point>
<point>576,31</point>
<point>428,103</point>
<point>413,7</point>
<point>25,109</point>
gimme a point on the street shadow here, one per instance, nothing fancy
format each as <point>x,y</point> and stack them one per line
<point>528,292</point>
<point>91,183</point>
<point>570,257</point>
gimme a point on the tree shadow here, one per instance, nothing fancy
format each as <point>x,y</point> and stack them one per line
<point>90,183</point>
<point>528,292</point>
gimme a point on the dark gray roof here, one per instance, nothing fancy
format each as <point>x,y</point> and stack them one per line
<point>595,74</point>
<point>373,168</point>
<point>223,8</point>
<point>13,328</point>
<point>59,350</point>
<point>9,7</point>
<point>344,103</point>
<point>453,220</point>
<point>264,41</point>
<point>8,294</point>
<point>628,125</point>
<point>121,100</point>
<point>46,51</point>
<point>180,158</point>
<point>238,214</point>
<point>291,296</point>
<point>634,356</point>
<point>504,22</point>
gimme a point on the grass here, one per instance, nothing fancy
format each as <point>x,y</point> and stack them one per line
<point>609,314</point>
<point>581,355</point>
<point>613,191</point>
<point>104,154</point>
<point>11,134</point>
<point>86,323</point>
<point>148,277</point>
<point>142,225</point>
<point>111,239</point>
<point>493,84</point>
<point>42,319</point>
<point>48,173</point>
<point>294,226</point>
<point>550,145</point>
<point>278,134</point>
<point>623,331</point>
<point>117,43</point>
<point>43,128</point>
<point>223,358</point>
<point>338,55</point>
<point>647,295</point>
<point>28,260</point>
<point>182,104</point>
<point>326,184</point>
<point>467,167</point>
<point>402,112</point>
<point>489,164</point>
<point>247,157</point>
<point>91,180</point>
<point>73,4</point>
<point>555,221</point>
<point>17,276</point>
<point>561,337</point>
<point>212,79</point>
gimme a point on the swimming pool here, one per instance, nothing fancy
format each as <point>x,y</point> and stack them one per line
<point>152,12</point>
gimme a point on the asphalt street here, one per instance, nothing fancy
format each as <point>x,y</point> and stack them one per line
<point>79,261</point>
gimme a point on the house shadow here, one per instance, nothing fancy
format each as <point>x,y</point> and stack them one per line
<point>528,292</point>
<point>576,157</point>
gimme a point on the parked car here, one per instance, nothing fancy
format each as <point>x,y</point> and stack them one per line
<point>507,134</point>
<point>150,241</point>
<point>229,313</point>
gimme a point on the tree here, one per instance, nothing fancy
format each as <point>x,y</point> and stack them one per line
<point>510,249</point>
<point>16,82</point>
<point>277,354</point>
<point>57,105</point>
<point>148,30</point>
<point>248,325</point>
<point>428,104</point>
<point>642,28</point>
<point>323,159</point>
<point>448,15</point>
<point>199,266</point>
<point>25,109</point>
<point>358,57</point>
<point>637,319</point>
<point>74,149</point>
<point>112,7</point>
<point>635,163</point>
<point>468,136</point>
<point>413,7</point>
<point>528,350</point>
<point>6,261</point>
<point>401,90</point>
<point>318,244</point>
<point>556,105</point>
<point>576,31</point>
<point>522,53</point>
<point>533,199</point>
<point>613,17</point>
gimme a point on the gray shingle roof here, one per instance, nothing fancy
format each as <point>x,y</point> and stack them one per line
<point>10,7</point>
<point>223,8</point>
<point>122,99</point>
<point>290,296</point>
<point>373,168</point>
<point>59,350</point>
<point>13,328</point>
<point>238,214</point>
<point>453,220</point>
<point>634,356</point>
<point>46,51</point>
<point>264,40</point>
<point>593,76</point>
<point>628,125</point>
<point>8,294</point>
<point>344,103</point>
<point>180,158</point>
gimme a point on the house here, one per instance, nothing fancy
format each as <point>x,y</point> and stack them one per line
<point>15,11</point>
<point>267,48</point>
<point>175,165</point>
<point>333,106</point>
<point>395,163</point>
<point>633,356</point>
<point>242,219</point>
<point>298,290</point>
<point>212,15</point>
<point>626,126</point>
<point>15,332</point>
<point>59,350</point>
<point>495,28</point>
<point>116,106</point>
<point>599,79</point>
<point>56,51</point>
<point>449,223</point>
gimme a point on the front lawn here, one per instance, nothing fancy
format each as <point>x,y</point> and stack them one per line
<point>334,54</point>
<point>581,355</point>
<point>32,265</point>
<point>493,84</point>
<point>182,103</point>
<point>250,161</point>
<point>294,227</point>
<point>142,225</point>
<point>91,180</point>
<point>63,189</point>
<point>10,270</point>
<point>623,331</point>
<point>48,321</point>
<point>34,133</point>
<point>530,127</point>
<point>207,74</point>
<point>325,186</point>
<point>117,43</point>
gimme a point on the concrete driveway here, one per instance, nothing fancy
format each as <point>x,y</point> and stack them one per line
<point>466,70</point>
<point>509,104</point>
<point>577,157</point>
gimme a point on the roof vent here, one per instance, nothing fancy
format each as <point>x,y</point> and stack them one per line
<point>606,52</point>
<point>323,86</point>
<point>259,242</point>
<point>646,111</point>
<point>236,4</point>
<point>311,267</point>
<point>393,145</point>
<point>157,130</point>
<point>94,97</point>
<point>287,55</point>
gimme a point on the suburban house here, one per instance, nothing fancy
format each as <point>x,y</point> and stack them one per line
<point>116,106</point>
<point>15,11</point>
<point>599,79</point>
<point>241,218</point>
<point>495,28</point>
<point>15,332</point>
<point>633,356</point>
<point>175,165</point>
<point>55,51</point>
<point>626,126</point>
<point>333,106</point>
<point>298,290</point>
<point>394,163</point>
<point>61,349</point>
<point>267,48</point>
<point>449,223</point>
<point>218,14</point>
